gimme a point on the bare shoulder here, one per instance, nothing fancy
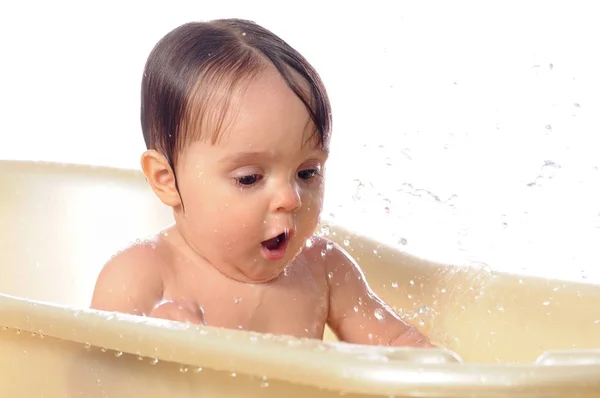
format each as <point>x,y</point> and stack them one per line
<point>328,257</point>
<point>131,281</point>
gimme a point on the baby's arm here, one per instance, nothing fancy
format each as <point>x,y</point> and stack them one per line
<point>356,314</point>
<point>129,283</point>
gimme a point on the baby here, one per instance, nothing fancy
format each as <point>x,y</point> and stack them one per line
<point>237,125</point>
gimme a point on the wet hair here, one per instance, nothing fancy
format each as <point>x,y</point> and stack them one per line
<point>191,72</point>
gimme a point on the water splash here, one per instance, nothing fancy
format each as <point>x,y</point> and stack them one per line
<point>324,231</point>
<point>265,382</point>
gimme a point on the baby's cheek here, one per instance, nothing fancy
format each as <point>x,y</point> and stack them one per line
<point>313,200</point>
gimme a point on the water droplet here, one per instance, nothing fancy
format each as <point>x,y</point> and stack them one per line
<point>545,303</point>
<point>330,275</point>
<point>355,308</point>
<point>323,253</point>
<point>370,336</point>
<point>423,310</point>
<point>237,300</point>
<point>18,331</point>
<point>443,290</point>
<point>597,321</point>
<point>103,349</point>
<point>329,246</point>
<point>233,374</point>
<point>395,285</point>
<point>346,242</point>
<point>119,354</point>
<point>421,322</point>
<point>375,251</point>
<point>198,370</point>
<point>265,382</point>
<point>500,308</point>
<point>140,358</point>
<point>520,281</point>
<point>325,230</point>
<point>583,274</point>
<point>379,314</point>
<point>87,346</point>
<point>411,282</point>
<point>153,361</point>
<point>308,242</point>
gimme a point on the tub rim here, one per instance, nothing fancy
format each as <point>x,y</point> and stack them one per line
<point>326,365</point>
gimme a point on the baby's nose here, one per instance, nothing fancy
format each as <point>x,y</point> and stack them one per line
<point>287,198</point>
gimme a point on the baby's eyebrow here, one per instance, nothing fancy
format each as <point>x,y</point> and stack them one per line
<point>248,156</point>
<point>253,156</point>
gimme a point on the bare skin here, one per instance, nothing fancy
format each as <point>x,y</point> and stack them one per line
<point>261,180</point>
<point>300,302</point>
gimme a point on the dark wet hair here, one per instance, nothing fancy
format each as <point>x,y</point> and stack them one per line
<point>188,69</point>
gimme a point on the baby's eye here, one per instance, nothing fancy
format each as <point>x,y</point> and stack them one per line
<point>249,179</point>
<point>308,174</point>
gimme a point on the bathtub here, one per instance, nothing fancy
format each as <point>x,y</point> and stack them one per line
<point>504,335</point>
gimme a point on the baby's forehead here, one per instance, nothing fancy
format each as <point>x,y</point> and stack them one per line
<point>262,111</point>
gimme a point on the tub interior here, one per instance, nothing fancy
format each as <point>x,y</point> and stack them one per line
<point>60,223</point>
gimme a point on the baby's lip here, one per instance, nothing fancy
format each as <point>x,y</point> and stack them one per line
<point>288,232</point>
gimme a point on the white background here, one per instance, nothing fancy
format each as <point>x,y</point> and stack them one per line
<point>463,131</point>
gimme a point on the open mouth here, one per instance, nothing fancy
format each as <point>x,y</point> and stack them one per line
<point>274,248</point>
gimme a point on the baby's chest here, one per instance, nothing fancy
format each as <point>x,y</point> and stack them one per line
<point>298,308</point>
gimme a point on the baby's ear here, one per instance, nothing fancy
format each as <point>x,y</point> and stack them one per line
<point>161,177</point>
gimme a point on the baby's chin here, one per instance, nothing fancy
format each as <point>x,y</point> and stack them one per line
<point>254,273</point>
<point>260,271</point>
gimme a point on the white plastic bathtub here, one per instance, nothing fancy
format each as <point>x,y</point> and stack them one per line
<point>506,336</point>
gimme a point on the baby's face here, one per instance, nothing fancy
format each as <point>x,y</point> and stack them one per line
<point>254,198</point>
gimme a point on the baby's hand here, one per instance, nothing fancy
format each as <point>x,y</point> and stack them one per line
<point>177,312</point>
<point>412,338</point>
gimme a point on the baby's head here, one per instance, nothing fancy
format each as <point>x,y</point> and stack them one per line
<point>237,126</point>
